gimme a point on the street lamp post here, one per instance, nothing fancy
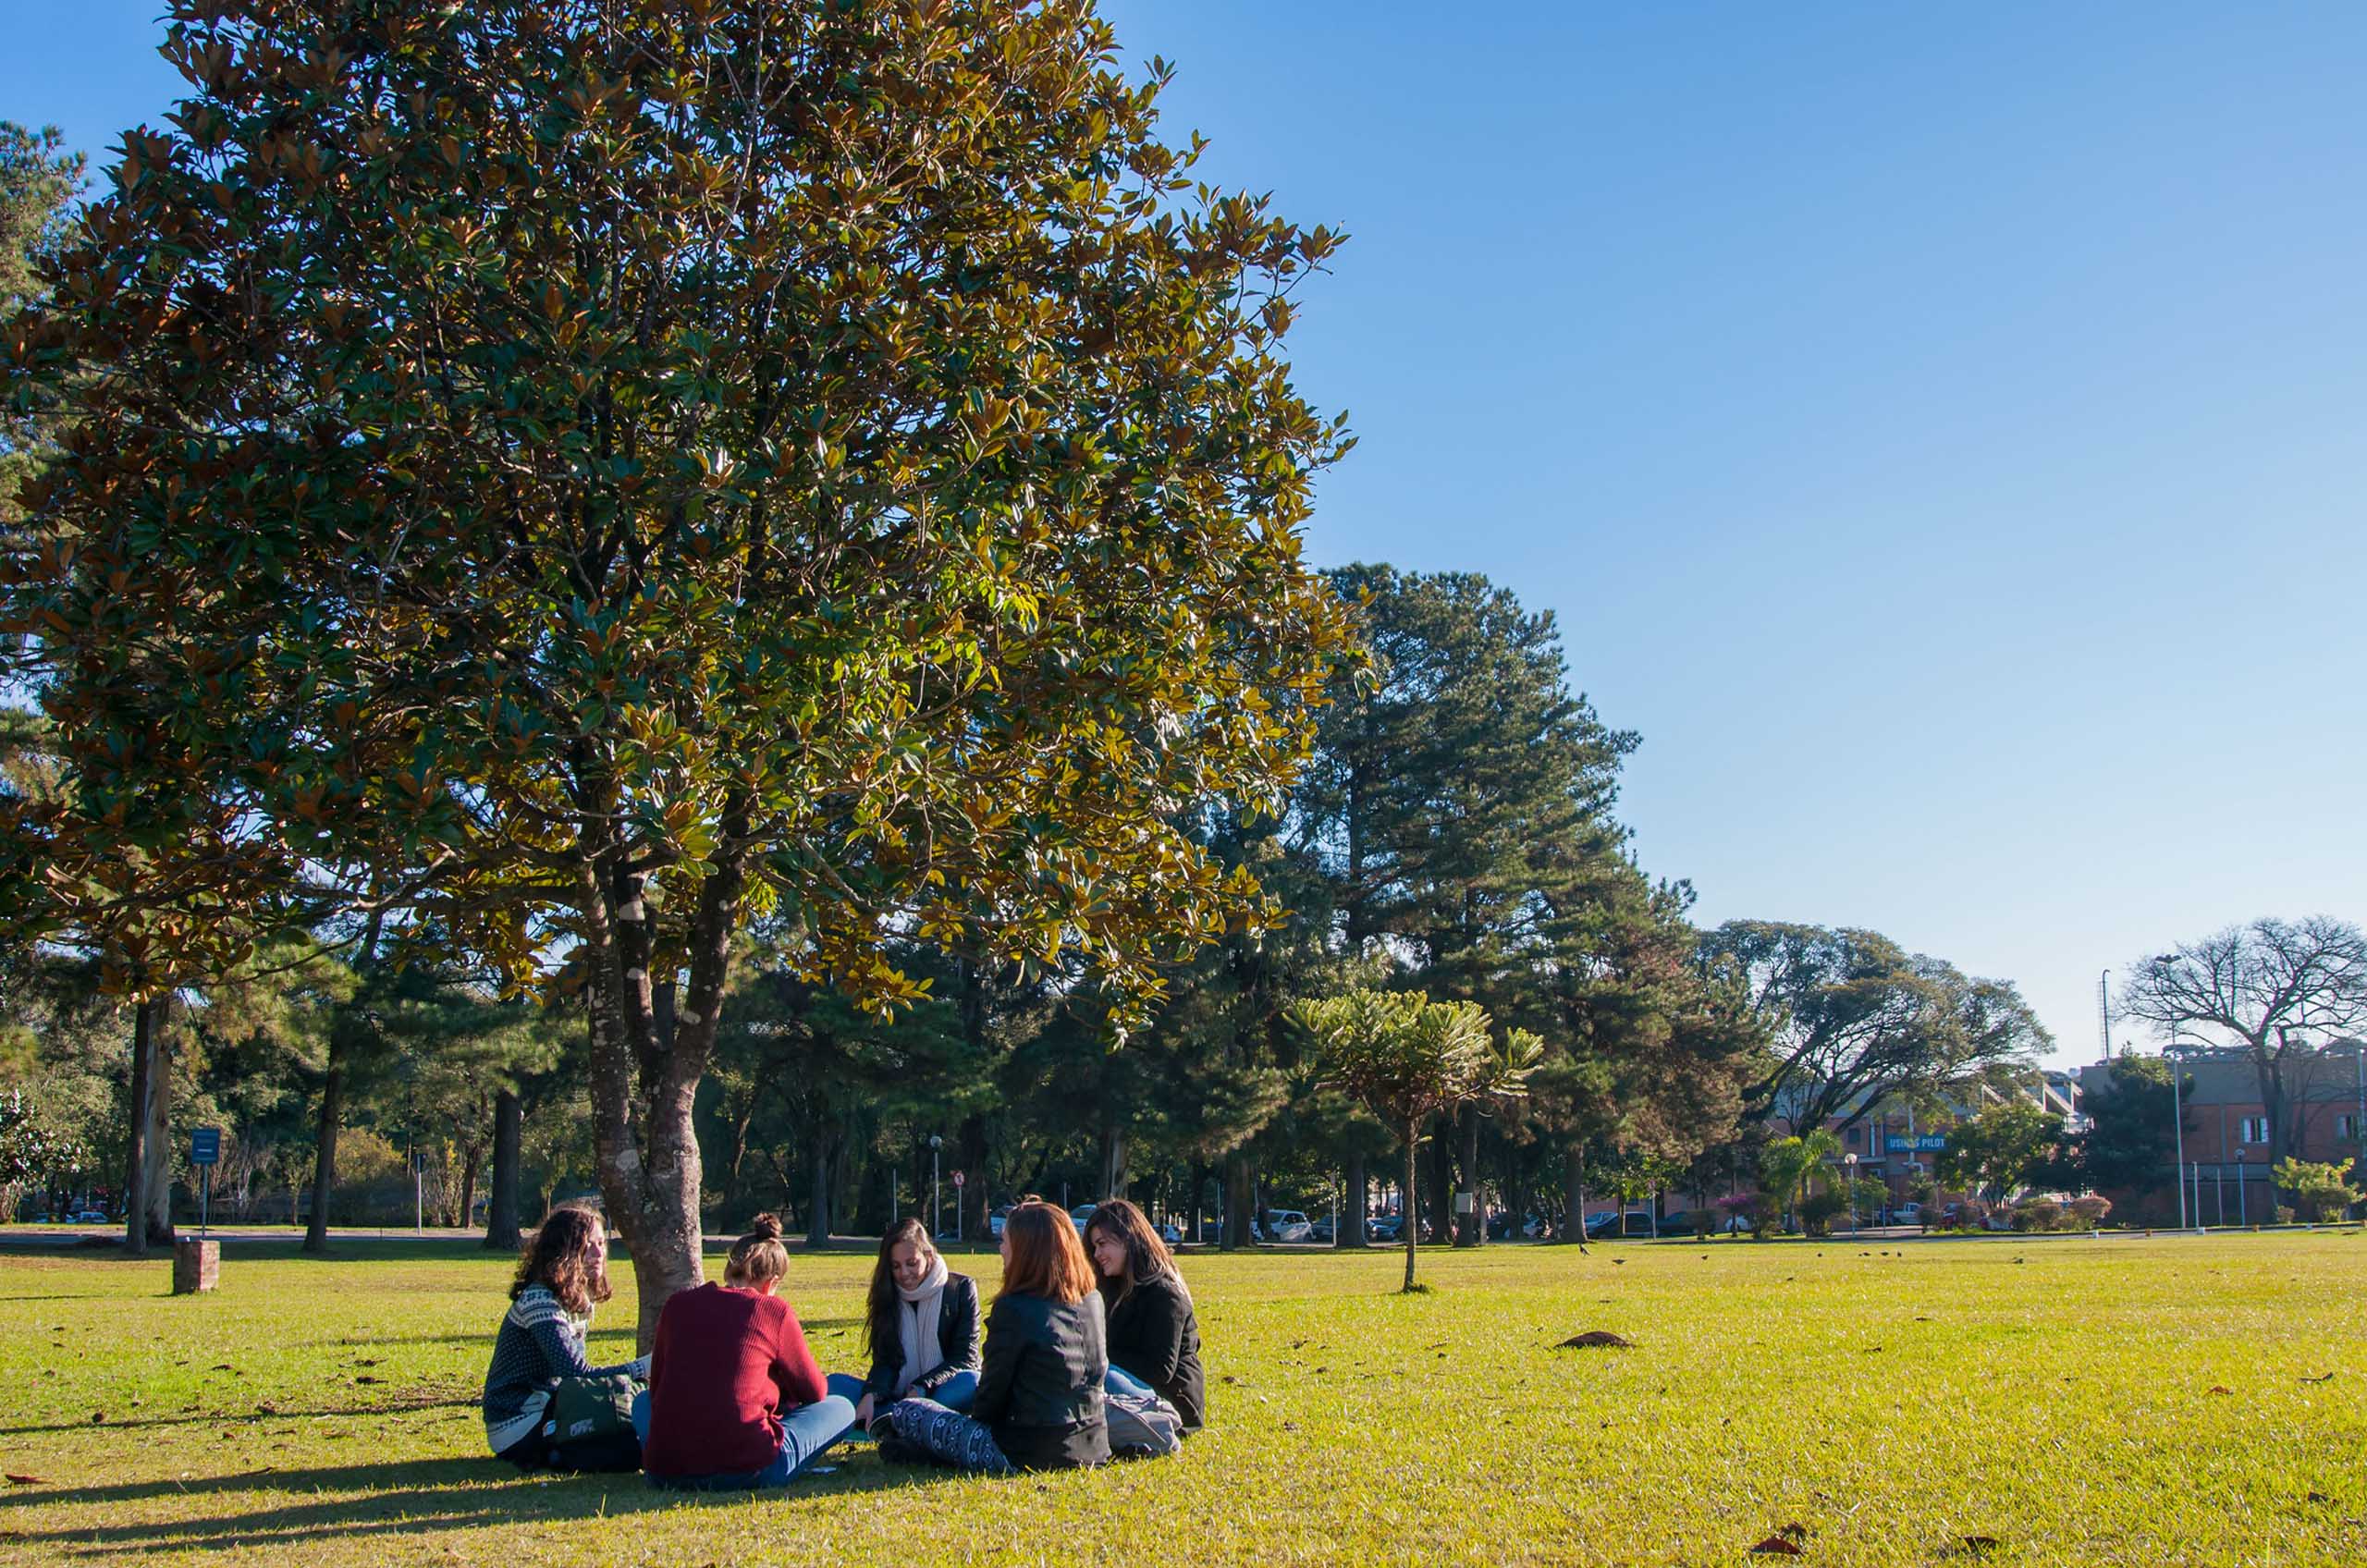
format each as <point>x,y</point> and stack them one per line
<point>1849,1175</point>
<point>2243,1194</point>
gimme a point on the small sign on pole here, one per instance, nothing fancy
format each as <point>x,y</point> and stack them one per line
<point>1926,1143</point>
<point>204,1152</point>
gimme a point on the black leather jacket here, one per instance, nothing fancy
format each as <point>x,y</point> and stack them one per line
<point>1040,1391</point>
<point>1155,1338</point>
<point>957,1343</point>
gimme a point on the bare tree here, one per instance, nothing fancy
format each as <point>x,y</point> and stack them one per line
<point>2278,987</point>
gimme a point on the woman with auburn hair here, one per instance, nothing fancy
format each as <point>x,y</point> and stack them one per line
<point>735,1399</point>
<point>562,1275</point>
<point>1038,1405</point>
<point>921,1328</point>
<point>1154,1335</point>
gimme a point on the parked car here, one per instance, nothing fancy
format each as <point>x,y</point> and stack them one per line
<point>1683,1222</point>
<point>1630,1226</point>
<point>1386,1227</point>
<point>87,1216</point>
<point>1908,1214</point>
<point>1288,1225</point>
<point>1080,1214</point>
<point>1170,1232</point>
<point>994,1220</point>
<point>1322,1233</point>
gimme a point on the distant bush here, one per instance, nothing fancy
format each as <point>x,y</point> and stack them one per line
<point>2320,1191</point>
<point>2284,1215</point>
<point>1817,1211</point>
<point>2092,1210</point>
<point>2043,1214</point>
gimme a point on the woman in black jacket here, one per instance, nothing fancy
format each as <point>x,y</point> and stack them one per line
<point>1154,1337</point>
<point>1038,1405</point>
<point>921,1328</point>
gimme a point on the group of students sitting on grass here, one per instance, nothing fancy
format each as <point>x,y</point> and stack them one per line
<point>1091,1351</point>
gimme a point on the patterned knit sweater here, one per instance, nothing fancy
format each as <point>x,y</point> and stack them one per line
<point>538,1344</point>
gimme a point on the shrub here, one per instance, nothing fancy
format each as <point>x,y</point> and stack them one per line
<point>1817,1211</point>
<point>2092,1210</point>
<point>2284,1215</point>
<point>2040,1214</point>
<point>2320,1191</point>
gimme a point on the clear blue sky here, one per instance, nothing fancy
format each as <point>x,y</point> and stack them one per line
<point>1941,429</point>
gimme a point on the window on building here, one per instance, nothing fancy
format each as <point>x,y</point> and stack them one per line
<point>2346,1126</point>
<point>1856,1134</point>
<point>2255,1130</point>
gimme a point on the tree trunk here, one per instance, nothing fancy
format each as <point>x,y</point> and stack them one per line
<point>501,1198</point>
<point>146,1025</point>
<point>471,1162</point>
<point>1470,1226</point>
<point>644,1077</point>
<point>1199,1199</point>
<point>156,1161</point>
<point>970,1197</point>
<point>316,1229</point>
<point>1114,1162</point>
<point>818,1202</point>
<point>1442,1200</point>
<point>1574,1198</point>
<point>1406,1206</point>
<point>1237,1201</point>
<point>1355,1225</point>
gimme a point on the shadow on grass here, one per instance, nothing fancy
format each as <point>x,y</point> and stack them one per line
<point>411,1497</point>
<point>231,1417</point>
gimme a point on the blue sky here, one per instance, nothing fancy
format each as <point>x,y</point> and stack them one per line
<point>1941,430</point>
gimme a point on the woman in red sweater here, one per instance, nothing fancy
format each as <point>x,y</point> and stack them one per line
<point>735,1399</point>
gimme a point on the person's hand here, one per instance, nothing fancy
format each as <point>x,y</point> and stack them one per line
<point>638,1367</point>
<point>862,1413</point>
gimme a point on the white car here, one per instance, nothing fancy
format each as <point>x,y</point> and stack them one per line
<point>1289,1225</point>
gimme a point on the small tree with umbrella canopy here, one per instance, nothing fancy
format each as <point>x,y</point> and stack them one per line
<point>1406,1058</point>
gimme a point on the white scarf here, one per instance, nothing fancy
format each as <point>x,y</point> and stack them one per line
<point>921,1350</point>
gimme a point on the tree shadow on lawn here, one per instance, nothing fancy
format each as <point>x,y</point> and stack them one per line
<point>408,1499</point>
<point>248,1415</point>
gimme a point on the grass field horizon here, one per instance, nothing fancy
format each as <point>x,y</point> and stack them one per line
<point>2164,1400</point>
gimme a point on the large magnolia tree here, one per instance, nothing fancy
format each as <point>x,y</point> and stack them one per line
<point>575,475</point>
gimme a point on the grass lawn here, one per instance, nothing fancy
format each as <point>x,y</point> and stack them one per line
<point>2164,1401</point>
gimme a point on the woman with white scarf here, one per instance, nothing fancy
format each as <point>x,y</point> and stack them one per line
<point>921,1328</point>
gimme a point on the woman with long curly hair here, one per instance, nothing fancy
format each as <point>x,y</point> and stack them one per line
<point>562,1275</point>
<point>1038,1405</point>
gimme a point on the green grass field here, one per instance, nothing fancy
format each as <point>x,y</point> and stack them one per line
<point>2126,1400</point>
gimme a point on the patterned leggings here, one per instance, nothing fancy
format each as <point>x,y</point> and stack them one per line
<point>947,1436</point>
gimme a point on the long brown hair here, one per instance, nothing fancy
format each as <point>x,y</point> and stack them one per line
<point>1046,1258</point>
<point>558,1257</point>
<point>880,1324</point>
<point>758,1257</point>
<point>1146,1256</point>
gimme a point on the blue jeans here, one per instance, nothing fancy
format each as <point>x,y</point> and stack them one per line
<point>957,1392</point>
<point>1117,1382</point>
<point>806,1433</point>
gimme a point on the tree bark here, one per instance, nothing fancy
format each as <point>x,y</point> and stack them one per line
<point>470,1161</point>
<point>1355,1225</point>
<point>1470,1229</point>
<point>1114,1162</point>
<point>146,1025</point>
<point>502,1197</point>
<point>316,1228</point>
<point>970,1197</point>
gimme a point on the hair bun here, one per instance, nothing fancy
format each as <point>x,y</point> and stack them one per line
<point>767,1226</point>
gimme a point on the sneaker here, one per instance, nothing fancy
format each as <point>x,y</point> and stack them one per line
<point>896,1451</point>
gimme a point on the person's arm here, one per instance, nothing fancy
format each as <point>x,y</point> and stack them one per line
<point>886,1360</point>
<point>795,1372</point>
<point>1005,1344</point>
<point>563,1351</point>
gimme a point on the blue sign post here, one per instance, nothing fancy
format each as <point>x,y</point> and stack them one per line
<point>204,1152</point>
<point>1926,1143</point>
